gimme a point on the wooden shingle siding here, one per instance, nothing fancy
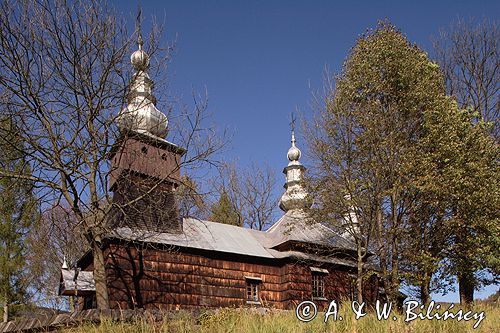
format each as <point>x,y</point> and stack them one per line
<point>153,210</point>
<point>156,278</point>
<point>166,278</point>
<point>153,159</point>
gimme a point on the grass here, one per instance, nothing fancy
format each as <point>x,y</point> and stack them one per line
<point>242,321</point>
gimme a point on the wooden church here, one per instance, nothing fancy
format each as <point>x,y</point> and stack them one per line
<point>156,260</point>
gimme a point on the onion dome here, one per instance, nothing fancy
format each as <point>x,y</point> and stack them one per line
<point>140,59</point>
<point>293,152</point>
<point>141,114</point>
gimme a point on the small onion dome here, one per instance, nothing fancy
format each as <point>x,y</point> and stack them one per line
<point>293,153</point>
<point>139,59</point>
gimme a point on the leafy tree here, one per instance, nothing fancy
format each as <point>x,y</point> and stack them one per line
<point>365,139</point>
<point>459,169</point>
<point>425,248</point>
<point>468,54</point>
<point>18,213</point>
<point>419,171</point>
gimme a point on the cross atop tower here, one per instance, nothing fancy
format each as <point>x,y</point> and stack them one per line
<point>138,27</point>
<point>292,122</point>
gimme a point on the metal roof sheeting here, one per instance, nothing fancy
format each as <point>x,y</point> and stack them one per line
<point>70,284</point>
<point>296,226</point>
<point>213,236</point>
<point>204,235</point>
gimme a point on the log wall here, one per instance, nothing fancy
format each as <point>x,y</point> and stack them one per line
<point>154,278</point>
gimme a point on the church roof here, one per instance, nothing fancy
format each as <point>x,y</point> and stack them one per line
<point>203,235</point>
<point>213,236</point>
<point>296,226</point>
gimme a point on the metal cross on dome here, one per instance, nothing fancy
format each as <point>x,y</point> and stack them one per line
<point>292,121</point>
<point>138,26</point>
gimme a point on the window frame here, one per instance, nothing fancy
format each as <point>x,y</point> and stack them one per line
<point>318,277</point>
<point>252,289</point>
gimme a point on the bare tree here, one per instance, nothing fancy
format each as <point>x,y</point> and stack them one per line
<point>191,200</point>
<point>54,241</point>
<point>65,78</point>
<point>249,193</point>
<point>257,189</point>
<point>468,54</point>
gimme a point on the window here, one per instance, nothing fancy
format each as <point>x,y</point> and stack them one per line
<point>318,286</point>
<point>252,291</point>
<point>318,282</point>
<point>253,285</point>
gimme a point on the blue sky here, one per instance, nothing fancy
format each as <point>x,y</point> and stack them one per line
<point>260,60</point>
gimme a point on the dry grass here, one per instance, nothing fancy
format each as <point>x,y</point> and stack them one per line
<point>238,321</point>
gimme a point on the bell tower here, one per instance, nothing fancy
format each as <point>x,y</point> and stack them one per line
<point>145,168</point>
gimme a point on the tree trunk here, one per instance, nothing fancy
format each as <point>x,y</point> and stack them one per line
<point>425,295</point>
<point>5,312</point>
<point>394,289</point>
<point>101,287</point>
<point>359,278</point>
<point>394,275</point>
<point>466,288</point>
<point>382,252</point>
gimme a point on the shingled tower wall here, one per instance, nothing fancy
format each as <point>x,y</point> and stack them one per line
<point>145,173</point>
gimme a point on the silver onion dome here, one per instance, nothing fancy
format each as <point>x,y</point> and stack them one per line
<point>139,59</point>
<point>141,114</point>
<point>294,152</point>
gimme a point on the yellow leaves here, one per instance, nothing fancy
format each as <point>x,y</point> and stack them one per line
<point>433,65</point>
